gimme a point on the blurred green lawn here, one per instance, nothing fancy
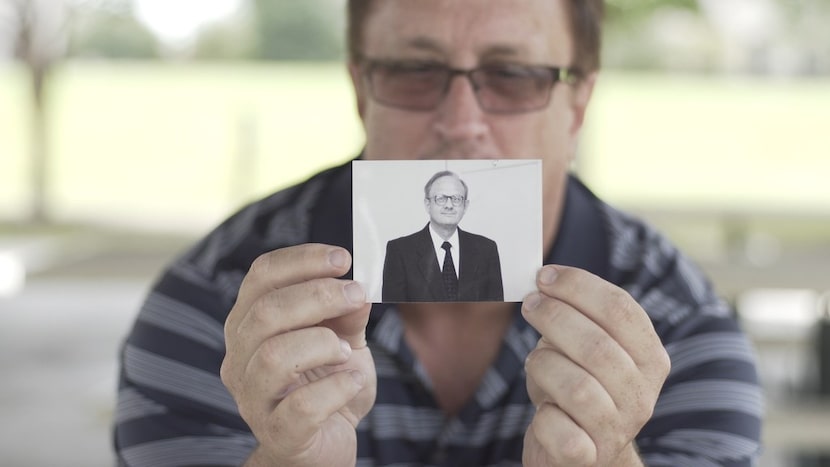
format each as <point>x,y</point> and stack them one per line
<point>158,144</point>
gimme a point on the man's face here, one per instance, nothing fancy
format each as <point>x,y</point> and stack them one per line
<point>448,214</point>
<point>467,34</point>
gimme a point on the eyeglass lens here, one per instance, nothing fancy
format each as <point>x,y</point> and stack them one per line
<point>503,88</point>
<point>441,200</point>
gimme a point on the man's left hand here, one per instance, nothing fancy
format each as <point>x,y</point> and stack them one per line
<point>595,374</point>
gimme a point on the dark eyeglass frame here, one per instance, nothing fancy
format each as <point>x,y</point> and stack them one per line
<point>545,78</point>
<point>455,200</point>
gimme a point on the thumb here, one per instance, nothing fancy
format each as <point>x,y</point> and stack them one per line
<point>351,327</point>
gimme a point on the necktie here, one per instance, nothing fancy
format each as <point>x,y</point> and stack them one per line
<point>448,272</point>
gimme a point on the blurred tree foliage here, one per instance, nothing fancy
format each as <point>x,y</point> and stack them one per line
<point>618,11</point>
<point>227,40</point>
<point>681,35</point>
<point>277,30</point>
<point>634,29</point>
<point>109,29</point>
<point>296,30</point>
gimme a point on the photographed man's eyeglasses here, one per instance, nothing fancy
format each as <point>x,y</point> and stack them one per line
<point>502,89</point>
<point>441,200</point>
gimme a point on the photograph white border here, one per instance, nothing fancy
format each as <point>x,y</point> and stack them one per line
<point>505,205</point>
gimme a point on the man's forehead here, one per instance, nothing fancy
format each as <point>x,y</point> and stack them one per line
<point>447,182</point>
<point>521,28</point>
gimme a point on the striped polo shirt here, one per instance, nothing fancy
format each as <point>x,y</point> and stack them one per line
<point>173,410</point>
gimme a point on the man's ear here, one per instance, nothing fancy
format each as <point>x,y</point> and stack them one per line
<point>581,96</point>
<point>359,86</point>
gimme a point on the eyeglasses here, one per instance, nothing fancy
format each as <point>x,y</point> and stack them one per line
<point>502,89</point>
<point>441,200</point>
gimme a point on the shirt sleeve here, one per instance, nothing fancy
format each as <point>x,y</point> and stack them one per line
<point>710,410</point>
<point>172,409</point>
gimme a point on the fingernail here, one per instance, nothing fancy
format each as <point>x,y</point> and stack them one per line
<point>338,258</point>
<point>547,275</point>
<point>354,292</point>
<point>532,302</point>
<point>358,377</point>
<point>345,347</point>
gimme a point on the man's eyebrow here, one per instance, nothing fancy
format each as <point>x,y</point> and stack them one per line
<point>494,51</point>
<point>501,50</point>
<point>424,43</point>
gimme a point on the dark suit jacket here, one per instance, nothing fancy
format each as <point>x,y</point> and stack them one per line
<point>411,272</point>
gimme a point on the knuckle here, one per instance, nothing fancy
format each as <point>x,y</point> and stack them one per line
<point>248,413</point>
<point>637,411</point>
<point>323,293</point>
<point>270,352</point>
<point>226,374</point>
<point>624,303</point>
<point>576,450</point>
<point>542,362</point>
<point>663,363</point>
<point>568,282</point>
<point>582,390</point>
<point>264,308</point>
<point>261,265</point>
<point>554,313</point>
<point>229,330</point>
<point>326,337</point>
<point>532,360</point>
<point>644,410</point>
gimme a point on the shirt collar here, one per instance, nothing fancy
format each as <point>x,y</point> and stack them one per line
<point>437,241</point>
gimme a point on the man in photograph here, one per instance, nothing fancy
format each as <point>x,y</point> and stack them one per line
<point>441,262</point>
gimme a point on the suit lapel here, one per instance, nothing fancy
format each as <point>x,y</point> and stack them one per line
<point>469,264</point>
<point>428,265</point>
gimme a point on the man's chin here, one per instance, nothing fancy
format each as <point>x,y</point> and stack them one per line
<point>448,225</point>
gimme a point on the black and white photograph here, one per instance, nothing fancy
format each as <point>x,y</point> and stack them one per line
<point>447,230</point>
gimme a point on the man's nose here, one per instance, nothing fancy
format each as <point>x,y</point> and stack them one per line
<point>460,117</point>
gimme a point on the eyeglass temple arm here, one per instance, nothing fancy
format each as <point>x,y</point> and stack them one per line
<point>567,75</point>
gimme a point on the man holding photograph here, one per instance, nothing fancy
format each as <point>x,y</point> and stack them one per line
<point>421,267</point>
<point>253,348</point>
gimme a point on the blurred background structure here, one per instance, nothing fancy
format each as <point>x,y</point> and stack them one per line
<point>130,127</point>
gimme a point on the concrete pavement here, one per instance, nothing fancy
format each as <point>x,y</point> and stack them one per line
<point>59,339</point>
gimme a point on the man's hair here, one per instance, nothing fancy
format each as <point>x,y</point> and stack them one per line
<point>585,20</point>
<point>443,173</point>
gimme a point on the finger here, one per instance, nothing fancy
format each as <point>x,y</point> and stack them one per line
<point>295,307</point>
<point>611,307</point>
<point>564,441</point>
<point>288,360</point>
<point>570,332</point>
<point>557,380</point>
<point>352,326</point>
<point>287,266</point>
<point>302,412</point>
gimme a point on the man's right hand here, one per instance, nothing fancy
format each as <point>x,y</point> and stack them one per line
<point>297,362</point>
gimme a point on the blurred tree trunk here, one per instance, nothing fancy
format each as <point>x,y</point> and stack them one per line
<point>39,145</point>
<point>41,40</point>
